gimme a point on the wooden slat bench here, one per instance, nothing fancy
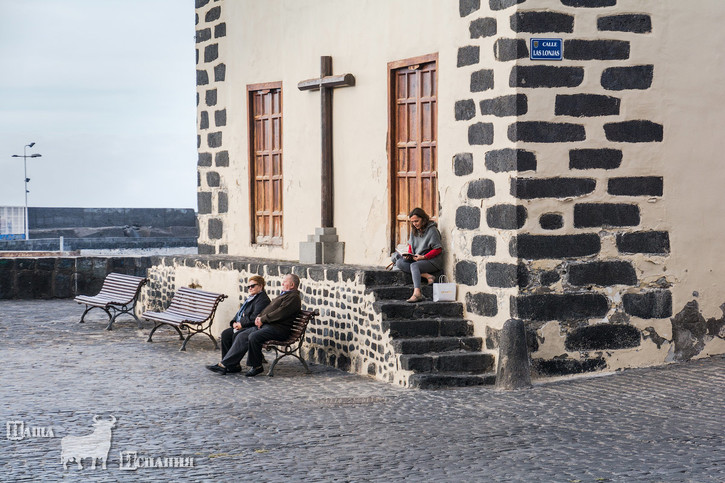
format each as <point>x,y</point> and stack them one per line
<point>293,345</point>
<point>118,294</point>
<point>191,310</point>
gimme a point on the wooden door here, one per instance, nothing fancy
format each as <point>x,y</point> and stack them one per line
<point>265,140</point>
<point>413,141</point>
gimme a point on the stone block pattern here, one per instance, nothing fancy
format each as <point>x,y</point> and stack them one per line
<point>583,267</point>
<point>211,32</point>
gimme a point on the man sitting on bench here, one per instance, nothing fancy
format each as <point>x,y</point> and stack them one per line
<point>274,323</point>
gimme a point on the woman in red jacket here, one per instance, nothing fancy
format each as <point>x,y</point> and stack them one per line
<point>425,252</point>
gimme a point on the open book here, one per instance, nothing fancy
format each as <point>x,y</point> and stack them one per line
<point>402,250</point>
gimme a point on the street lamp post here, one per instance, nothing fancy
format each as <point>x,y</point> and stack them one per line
<point>25,169</point>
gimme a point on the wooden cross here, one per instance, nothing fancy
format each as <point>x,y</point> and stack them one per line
<point>325,83</point>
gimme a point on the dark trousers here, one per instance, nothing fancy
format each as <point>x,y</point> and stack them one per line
<point>251,340</point>
<point>227,338</point>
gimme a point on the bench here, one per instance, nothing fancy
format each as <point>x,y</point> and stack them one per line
<point>292,346</point>
<point>191,310</point>
<point>118,294</point>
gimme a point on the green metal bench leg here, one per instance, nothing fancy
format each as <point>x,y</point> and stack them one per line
<point>156,326</point>
<point>89,308</point>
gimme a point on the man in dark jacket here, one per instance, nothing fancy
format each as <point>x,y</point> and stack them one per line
<point>247,314</point>
<point>274,323</point>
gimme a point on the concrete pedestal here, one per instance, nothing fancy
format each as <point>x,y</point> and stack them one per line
<point>322,247</point>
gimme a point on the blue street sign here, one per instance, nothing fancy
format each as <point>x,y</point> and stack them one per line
<point>546,49</point>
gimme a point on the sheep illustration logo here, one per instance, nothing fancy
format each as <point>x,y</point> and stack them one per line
<point>95,445</point>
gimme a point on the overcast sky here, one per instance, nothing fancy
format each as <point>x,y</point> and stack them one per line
<point>106,90</point>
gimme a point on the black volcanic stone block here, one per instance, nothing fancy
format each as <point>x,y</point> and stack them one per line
<point>203,200</point>
<point>649,305</point>
<point>510,49</point>
<point>636,186</point>
<point>483,246</point>
<point>575,49</point>
<point>589,215</point>
<point>484,304</point>
<point>636,23</point>
<point>586,105</point>
<point>468,55</point>
<point>214,140</point>
<point>481,188</point>
<point>537,247</point>
<point>563,367</point>
<point>213,14</point>
<point>506,217</point>
<point>551,221</point>
<point>621,78</point>
<point>503,160</point>
<point>467,273</point>
<point>482,80</point>
<point>215,228</point>
<point>220,71</point>
<point>653,242</point>
<point>501,274</point>
<point>513,105</point>
<point>204,159</point>
<point>204,120</point>
<point>545,132</point>
<point>465,110</point>
<point>221,158</point>
<point>482,27</point>
<point>530,188</point>
<point>603,337</point>
<point>220,30</point>
<point>550,278</point>
<point>634,132</point>
<point>467,7</point>
<point>537,22</point>
<point>203,35</point>
<point>202,78</point>
<point>211,52</point>
<point>545,76</point>
<point>211,97</point>
<point>220,118</point>
<point>602,273</point>
<point>595,158</point>
<point>572,306</point>
<point>503,4</point>
<point>480,133</point>
<point>468,217</point>
<point>213,179</point>
<point>463,164</point>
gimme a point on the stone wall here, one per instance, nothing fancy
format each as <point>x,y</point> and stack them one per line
<point>62,277</point>
<point>558,214</point>
<point>214,159</point>
<point>349,333</point>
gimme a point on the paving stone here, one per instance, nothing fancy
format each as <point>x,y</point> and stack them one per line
<point>655,424</point>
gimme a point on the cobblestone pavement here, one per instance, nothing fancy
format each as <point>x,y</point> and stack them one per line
<point>662,424</point>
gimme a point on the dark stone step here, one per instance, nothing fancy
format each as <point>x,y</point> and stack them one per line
<point>422,345</point>
<point>428,328</point>
<point>404,310</point>
<point>439,381</point>
<point>374,278</point>
<point>458,362</point>
<point>399,292</point>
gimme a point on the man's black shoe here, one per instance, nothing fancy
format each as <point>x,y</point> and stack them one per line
<point>254,371</point>
<point>217,368</point>
<point>234,369</point>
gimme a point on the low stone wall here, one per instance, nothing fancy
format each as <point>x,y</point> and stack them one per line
<point>108,243</point>
<point>347,335</point>
<point>62,277</point>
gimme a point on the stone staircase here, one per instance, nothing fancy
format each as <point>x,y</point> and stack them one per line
<point>432,338</point>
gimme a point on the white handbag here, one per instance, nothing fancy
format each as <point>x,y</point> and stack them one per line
<point>444,291</point>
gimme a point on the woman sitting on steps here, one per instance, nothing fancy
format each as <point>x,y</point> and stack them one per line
<point>424,252</point>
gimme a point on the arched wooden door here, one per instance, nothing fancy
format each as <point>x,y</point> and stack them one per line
<point>413,122</point>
